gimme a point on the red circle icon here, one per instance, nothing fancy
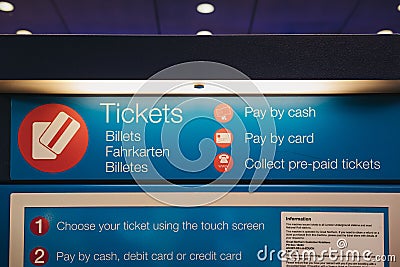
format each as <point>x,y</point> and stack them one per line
<point>223,113</point>
<point>53,138</point>
<point>223,138</point>
<point>39,226</point>
<point>223,162</point>
<point>39,256</point>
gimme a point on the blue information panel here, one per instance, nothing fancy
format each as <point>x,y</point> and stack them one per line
<point>179,170</point>
<point>353,137</point>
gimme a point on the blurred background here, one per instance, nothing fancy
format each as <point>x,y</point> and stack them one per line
<point>190,17</point>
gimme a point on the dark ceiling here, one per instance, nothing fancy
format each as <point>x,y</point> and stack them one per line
<point>181,17</point>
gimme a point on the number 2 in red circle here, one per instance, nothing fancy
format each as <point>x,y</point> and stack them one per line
<point>39,226</point>
<point>39,256</point>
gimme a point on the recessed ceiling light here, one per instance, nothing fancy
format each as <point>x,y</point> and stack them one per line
<point>6,6</point>
<point>204,33</point>
<point>386,31</point>
<point>398,8</point>
<point>23,32</point>
<point>205,8</point>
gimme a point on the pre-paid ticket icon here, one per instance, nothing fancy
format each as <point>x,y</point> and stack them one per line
<point>223,162</point>
<point>53,138</point>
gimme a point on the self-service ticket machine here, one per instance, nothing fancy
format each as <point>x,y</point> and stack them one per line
<point>200,151</point>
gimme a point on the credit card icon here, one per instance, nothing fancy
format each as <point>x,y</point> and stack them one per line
<point>54,138</point>
<point>223,138</point>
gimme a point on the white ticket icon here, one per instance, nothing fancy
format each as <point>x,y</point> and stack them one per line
<point>49,139</point>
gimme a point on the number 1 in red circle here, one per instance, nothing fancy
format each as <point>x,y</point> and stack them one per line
<point>39,226</point>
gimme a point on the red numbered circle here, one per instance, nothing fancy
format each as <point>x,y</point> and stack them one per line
<point>39,256</point>
<point>53,138</point>
<point>39,226</point>
<point>223,162</point>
